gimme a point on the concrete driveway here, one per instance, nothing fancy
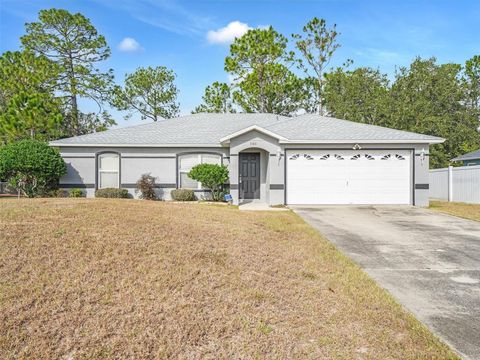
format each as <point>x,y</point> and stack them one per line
<point>428,261</point>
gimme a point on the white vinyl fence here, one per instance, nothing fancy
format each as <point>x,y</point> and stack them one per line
<point>456,184</point>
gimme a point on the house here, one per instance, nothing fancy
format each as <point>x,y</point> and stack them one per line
<point>469,159</point>
<point>307,159</point>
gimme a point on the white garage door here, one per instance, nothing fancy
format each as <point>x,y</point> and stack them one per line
<point>349,177</point>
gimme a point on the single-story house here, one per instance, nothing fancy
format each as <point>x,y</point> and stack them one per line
<point>469,159</point>
<point>306,159</point>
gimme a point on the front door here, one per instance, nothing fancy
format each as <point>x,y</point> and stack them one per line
<point>249,176</point>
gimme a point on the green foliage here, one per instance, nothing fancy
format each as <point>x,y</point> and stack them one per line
<point>146,187</point>
<point>76,193</point>
<point>317,45</point>
<point>471,82</point>
<point>217,99</point>
<point>183,195</point>
<point>28,107</point>
<point>284,93</point>
<point>429,98</point>
<point>360,95</point>
<point>112,193</point>
<point>72,42</point>
<point>212,177</point>
<point>93,122</point>
<point>32,167</point>
<point>425,97</point>
<point>149,91</point>
<point>260,62</point>
<point>59,193</point>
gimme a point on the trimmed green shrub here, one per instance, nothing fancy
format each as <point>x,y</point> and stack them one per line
<point>76,193</point>
<point>212,177</point>
<point>31,167</point>
<point>146,187</point>
<point>112,193</point>
<point>183,195</point>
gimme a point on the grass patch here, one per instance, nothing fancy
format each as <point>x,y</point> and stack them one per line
<point>463,210</point>
<point>108,278</point>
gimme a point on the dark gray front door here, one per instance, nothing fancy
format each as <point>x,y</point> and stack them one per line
<point>249,176</point>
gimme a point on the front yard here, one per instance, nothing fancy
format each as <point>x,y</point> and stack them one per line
<point>105,278</point>
<point>467,211</point>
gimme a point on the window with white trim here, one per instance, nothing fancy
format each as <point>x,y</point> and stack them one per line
<point>187,162</point>
<point>108,170</point>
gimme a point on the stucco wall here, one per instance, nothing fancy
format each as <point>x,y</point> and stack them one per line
<point>159,162</point>
<point>162,163</point>
<point>271,170</point>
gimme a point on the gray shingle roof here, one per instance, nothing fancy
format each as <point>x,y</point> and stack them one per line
<point>208,129</point>
<point>469,156</point>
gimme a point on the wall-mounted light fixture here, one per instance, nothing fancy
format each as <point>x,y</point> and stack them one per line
<point>356,147</point>
<point>422,156</point>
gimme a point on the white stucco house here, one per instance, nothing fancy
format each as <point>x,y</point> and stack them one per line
<point>307,159</point>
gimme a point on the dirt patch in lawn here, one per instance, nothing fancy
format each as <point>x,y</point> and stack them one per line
<point>464,210</point>
<point>107,278</point>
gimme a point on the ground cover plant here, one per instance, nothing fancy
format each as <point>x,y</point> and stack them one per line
<point>108,278</point>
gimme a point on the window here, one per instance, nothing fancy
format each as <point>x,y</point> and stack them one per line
<point>108,171</point>
<point>187,162</point>
<point>390,156</point>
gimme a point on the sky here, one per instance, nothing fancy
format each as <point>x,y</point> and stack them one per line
<point>192,37</point>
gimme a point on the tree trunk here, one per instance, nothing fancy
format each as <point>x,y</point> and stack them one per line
<point>74,114</point>
<point>320,105</point>
<point>73,98</point>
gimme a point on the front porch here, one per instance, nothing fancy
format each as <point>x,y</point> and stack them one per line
<point>256,170</point>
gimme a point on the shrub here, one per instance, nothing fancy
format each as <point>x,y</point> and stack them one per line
<point>31,167</point>
<point>183,195</point>
<point>76,193</point>
<point>212,177</point>
<point>112,193</point>
<point>146,187</point>
<point>60,193</point>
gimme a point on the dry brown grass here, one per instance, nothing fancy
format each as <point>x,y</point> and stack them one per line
<point>467,211</point>
<point>108,278</point>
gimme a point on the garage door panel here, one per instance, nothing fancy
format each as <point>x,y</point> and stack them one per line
<point>349,177</point>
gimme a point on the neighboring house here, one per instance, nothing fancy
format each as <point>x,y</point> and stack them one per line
<point>308,159</point>
<point>470,159</point>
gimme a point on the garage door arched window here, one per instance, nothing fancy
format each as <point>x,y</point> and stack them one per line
<point>108,170</point>
<point>187,162</point>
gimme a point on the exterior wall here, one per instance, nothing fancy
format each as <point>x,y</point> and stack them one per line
<point>272,182</point>
<point>162,163</point>
<point>159,162</point>
<point>472,162</point>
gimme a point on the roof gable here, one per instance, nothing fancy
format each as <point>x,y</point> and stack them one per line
<point>251,128</point>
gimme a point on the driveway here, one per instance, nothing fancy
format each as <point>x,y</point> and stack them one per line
<point>429,262</point>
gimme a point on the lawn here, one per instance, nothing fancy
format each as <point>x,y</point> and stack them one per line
<point>105,278</point>
<point>467,211</point>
